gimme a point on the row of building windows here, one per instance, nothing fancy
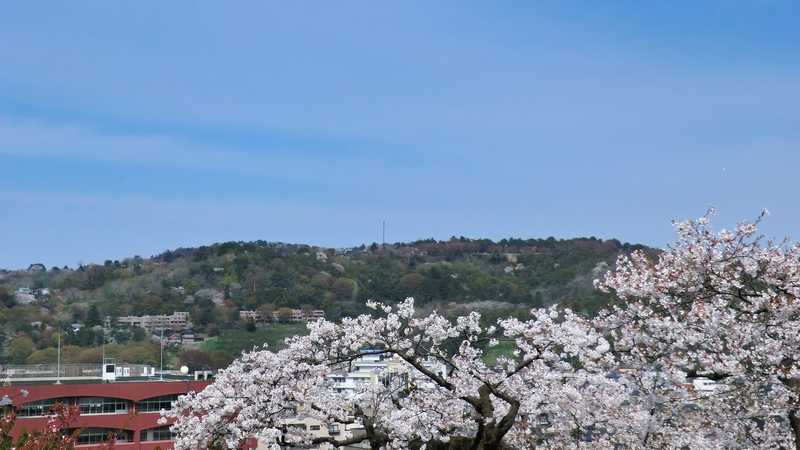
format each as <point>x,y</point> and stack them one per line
<point>96,405</point>
<point>100,435</point>
<point>157,434</point>
<point>156,404</point>
<point>333,428</point>
<point>102,405</point>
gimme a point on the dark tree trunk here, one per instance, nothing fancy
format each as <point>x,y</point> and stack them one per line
<point>794,414</point>
<point>463,444</point>
<point>489,435</point>
<point>794,421</point>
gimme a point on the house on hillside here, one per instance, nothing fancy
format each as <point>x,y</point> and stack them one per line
<point>24,296</point>
<point>246,315</point>
<point>186,337</point>
<point>286,315</point>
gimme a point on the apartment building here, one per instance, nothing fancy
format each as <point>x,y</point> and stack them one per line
<point>177,321</point>
<point>374,367</point>
<point>253,315</point>
<point>315,314</point>
<point>283,315</point>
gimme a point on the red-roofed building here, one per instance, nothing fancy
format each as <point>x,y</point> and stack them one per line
<point>129,409</point>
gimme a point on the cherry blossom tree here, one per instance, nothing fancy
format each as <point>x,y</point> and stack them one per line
<point>718,305</point>
<point>437,391</point>
<point>54,436</point>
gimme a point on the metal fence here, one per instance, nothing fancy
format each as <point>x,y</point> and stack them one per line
<point>70,371</point>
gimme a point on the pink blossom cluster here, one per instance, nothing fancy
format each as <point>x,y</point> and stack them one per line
<point>714,308</point>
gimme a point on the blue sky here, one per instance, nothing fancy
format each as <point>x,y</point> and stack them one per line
<point>133,127</point>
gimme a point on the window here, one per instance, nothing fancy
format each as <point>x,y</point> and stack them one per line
<point>38,408</point>
<point>157,434</point>
<point>333,429</point>
<point>314,427</point>
<point>542,420</point>
<point>102,405</point>
<point>99,435</point>
<point>156,404</point>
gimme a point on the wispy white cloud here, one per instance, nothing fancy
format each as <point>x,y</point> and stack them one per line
<point>516,121</point>
<point>30,137</point>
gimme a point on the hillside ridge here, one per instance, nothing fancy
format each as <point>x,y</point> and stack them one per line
<point>214,283</point>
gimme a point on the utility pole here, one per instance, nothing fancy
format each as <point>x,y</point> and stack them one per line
<point>103,364</point>
<point>383,235</point>
<point>161,372</point>
<point>58,364</point>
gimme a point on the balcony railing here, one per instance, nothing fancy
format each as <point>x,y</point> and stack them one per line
<point>32,372</point>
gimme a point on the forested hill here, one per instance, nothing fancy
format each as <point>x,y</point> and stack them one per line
<point>220,279</point>
<point>213,283</point>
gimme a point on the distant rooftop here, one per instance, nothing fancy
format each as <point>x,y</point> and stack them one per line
<point>111,371</point>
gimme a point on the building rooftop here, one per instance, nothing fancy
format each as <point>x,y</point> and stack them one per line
<point>107,372</point>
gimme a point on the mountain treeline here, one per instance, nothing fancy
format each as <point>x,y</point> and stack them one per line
<point>213,283</point>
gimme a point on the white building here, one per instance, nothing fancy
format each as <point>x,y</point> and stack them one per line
<point>246,315</point>
<point>24,296</point>
<point>177,321</point>
<point>371,367</point>
<point>374,367</point>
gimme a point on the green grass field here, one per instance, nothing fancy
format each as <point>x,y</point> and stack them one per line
<point>234,342</point>
<point>491,354</point>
